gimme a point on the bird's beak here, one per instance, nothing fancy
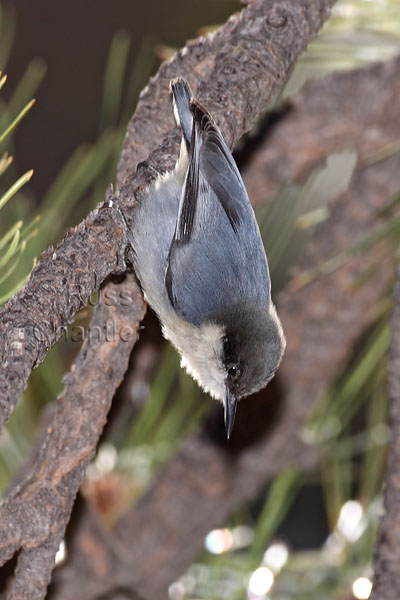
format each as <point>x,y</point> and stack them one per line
<point>230,403</point>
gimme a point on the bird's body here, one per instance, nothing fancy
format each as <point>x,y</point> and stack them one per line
<point>202,266</point>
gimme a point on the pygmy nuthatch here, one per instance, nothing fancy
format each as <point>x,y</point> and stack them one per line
<point>200,260</point>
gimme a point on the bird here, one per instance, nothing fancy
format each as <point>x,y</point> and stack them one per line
<point>201,263</point>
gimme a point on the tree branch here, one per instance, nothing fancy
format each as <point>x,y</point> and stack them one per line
<point>34,514</point>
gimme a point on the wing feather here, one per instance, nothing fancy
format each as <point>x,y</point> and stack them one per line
<point>216,239</point>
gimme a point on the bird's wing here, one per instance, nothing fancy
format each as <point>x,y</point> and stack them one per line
<point>208,252</point>
<point>211,165</point>
<point>218,167</point>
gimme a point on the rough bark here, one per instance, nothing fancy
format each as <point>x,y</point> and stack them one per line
<point>387,549</point>
<point>233,71</point>
<point>35,512</point>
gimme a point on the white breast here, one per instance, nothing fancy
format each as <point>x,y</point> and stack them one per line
<point>201,350</point>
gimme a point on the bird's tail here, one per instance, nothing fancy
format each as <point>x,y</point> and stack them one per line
<point>181,95</point>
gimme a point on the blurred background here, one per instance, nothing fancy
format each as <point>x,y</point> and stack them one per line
<point>307,535</point>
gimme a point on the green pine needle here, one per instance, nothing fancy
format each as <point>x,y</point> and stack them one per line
<point>10,234</point>
<point>2,80</point>
<point>13,291</point>
<point>15,187</point>
<point>11,249</point>
<point>17,119</point>
<point>5,162</point>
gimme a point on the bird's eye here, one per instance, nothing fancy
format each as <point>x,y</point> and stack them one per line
<point>233,371</point>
